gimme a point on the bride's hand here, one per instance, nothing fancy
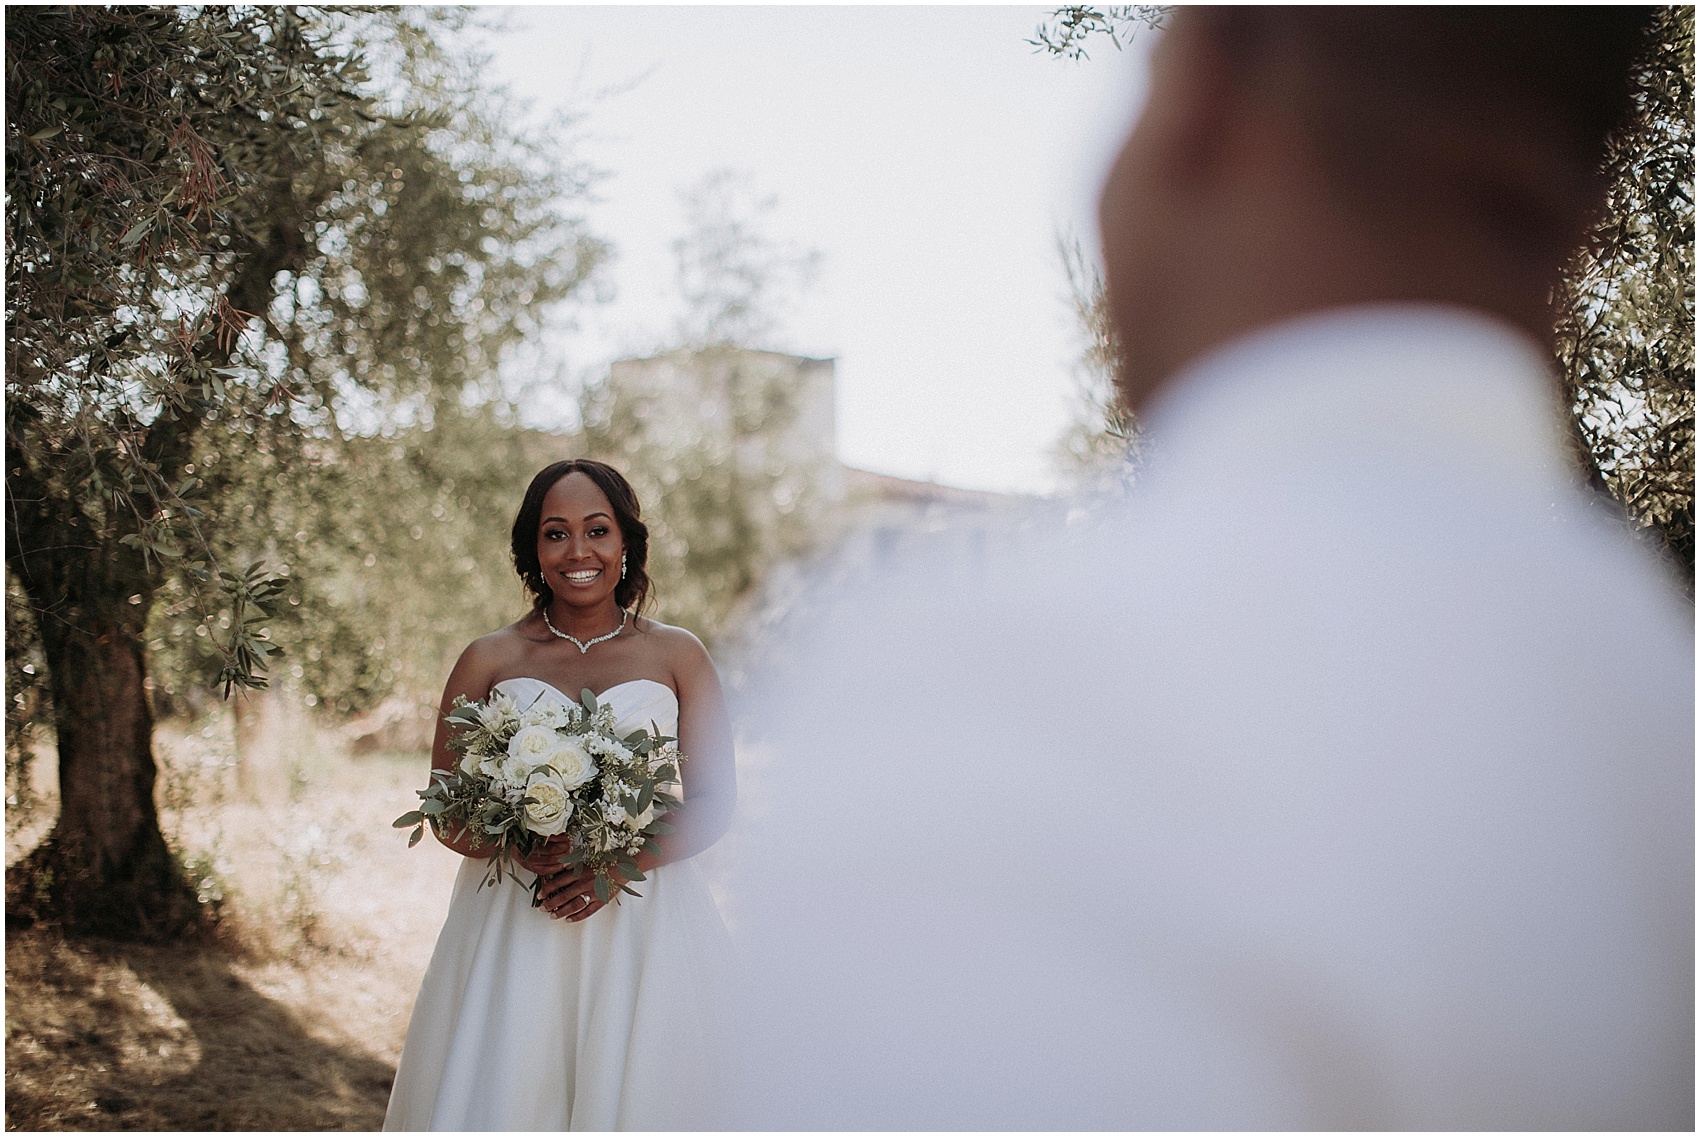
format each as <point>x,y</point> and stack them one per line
<point>571,893</point>
<point>545,860</point>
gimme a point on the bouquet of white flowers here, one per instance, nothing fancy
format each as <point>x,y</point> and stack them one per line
<point>555,767</point>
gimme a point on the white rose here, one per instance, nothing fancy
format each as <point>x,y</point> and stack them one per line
<point>530,748</point>
<point>572,761</point>
<point>551,806</point>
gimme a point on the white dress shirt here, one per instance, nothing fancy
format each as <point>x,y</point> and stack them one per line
<point>1340,777</point>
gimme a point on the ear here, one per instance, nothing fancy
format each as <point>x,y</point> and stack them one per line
<point>1199,107</point>
<point>1181,147</point>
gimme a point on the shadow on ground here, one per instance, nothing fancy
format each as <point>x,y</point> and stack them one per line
<point>108,1036</point>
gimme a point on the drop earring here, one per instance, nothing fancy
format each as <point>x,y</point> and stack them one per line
<point>622,566</point>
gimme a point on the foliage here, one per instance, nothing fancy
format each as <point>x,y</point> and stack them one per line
<point>212,223</point>
<point>398,549</point>
<point>1102,436</point>
<point>1626,330</point>
<point>732,277</point>
<point>1068,30</point>
<point>147,155</point>
<point>394,523</point>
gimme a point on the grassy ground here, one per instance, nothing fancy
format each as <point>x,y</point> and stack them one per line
<point>294,1017</point>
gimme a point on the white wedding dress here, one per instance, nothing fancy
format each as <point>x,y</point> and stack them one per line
<point>526,1022</point>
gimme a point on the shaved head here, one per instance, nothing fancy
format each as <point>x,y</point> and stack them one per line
<point>1292,159</point>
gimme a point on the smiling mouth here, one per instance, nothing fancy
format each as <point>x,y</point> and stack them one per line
<point>582,576</point>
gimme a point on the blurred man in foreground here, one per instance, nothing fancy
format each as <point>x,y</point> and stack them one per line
<point>1343,777</point>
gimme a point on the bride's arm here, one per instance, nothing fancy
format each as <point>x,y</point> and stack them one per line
<point>708,772</point>
<point>470,677</point>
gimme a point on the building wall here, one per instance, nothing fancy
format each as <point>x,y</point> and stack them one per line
<point>772,412</point>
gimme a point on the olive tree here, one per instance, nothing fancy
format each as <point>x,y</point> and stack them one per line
<point>219,228</point>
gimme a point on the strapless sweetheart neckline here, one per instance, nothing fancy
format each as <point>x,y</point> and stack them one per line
<point>600,695</point>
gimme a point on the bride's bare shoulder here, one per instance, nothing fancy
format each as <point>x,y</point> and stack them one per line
<point>668,637</point>
<point>678,649</point>
<point>498,647</point>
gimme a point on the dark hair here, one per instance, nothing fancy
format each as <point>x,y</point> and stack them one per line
<point>1505,111</point>
<point>633,590</point>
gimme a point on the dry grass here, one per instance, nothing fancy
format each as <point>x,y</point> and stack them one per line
<point>294,1018</point>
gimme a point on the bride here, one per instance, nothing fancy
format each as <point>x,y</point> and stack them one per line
<point>579,1014</point>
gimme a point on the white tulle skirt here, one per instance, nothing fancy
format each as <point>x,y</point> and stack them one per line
<point>525,1022</point>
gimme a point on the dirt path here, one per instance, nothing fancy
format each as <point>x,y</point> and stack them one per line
<point>296,1019</point>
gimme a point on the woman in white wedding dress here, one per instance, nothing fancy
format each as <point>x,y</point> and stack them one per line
<point>577,1014</point>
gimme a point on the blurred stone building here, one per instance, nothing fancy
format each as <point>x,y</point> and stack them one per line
<point>772,417</point>
<point>773,413</point>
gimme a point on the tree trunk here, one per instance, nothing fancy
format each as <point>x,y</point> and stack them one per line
<point>105,868</point>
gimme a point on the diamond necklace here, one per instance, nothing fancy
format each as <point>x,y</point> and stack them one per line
<point>585,645</point>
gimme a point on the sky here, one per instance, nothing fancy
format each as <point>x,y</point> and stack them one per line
<point>930,154</point>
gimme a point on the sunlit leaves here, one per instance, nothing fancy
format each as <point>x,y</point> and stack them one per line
<point>1070,28</point>
<point>146,148</point>
<point>1626,337</point>
<point>252,597</point>
<point>224,241</point>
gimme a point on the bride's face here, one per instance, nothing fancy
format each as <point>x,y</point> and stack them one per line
<point>579,542</point>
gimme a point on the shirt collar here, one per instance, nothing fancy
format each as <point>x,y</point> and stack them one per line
<point>1441,385</point>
